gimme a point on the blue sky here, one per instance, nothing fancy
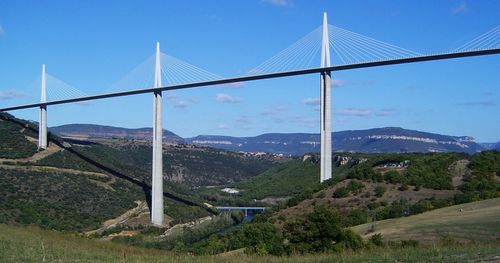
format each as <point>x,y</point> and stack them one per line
<point>93,44</point>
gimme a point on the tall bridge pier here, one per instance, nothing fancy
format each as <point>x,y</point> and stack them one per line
<point>42,124</point>
<point>157,176</point>
<point>325,107</point>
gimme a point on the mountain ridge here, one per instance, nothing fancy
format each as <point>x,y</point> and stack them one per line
<point>386,139</point>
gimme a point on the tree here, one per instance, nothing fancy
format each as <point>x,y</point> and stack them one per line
<point>319,231</point>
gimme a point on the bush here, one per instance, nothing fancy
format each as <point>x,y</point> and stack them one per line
<point>377,240</point>
<point>380,190</point>
<point>341,192</point>
<point>319,231</point>
<point>354,186</point>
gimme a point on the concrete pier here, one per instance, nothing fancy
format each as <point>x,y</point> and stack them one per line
<point>42,124</point>
<point>157,176</point>
<point>325,108</point>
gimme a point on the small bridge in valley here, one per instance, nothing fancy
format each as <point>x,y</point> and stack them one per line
<point>248,211</point>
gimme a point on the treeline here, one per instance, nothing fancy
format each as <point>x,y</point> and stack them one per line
<point>319,231</point>
<point>482,184</point>
<point>13,144</point>
<point>58,201</point>
<point>428,170</point>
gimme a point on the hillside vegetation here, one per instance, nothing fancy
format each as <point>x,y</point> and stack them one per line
<point>76,186</point>
<point>465,223</point>
<point>14,144</point>
<point>367,187</point>
<point>31,244</point>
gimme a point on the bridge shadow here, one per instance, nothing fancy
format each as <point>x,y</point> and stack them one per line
<point>146,188</point>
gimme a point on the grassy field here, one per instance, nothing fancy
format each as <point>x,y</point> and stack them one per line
<point>477,221</point>
<point>30,244</point>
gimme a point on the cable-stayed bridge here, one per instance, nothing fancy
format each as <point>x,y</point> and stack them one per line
<point>335,49</point>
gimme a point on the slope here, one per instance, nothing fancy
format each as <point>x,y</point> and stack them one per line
<point>77,186</point>
<point>31,244</point>
<point>477,221</point>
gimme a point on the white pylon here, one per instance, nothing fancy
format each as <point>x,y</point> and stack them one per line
<point>157,175</point>
<point>42,125</point>
<point>326,108</point>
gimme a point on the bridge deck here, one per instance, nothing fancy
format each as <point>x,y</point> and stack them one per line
<point>266,76</point>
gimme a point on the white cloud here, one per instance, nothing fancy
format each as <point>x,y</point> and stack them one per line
<point>171,96</point>
<point>180,104</point>
<point>282,3</point>
<point>274,111</point>
<point>355,112</point>
<point>303,120</point>
<point>311,101</point>
<point>245,119</point>
<point>337,83</point>
<point>5,95</point>
<point>225,98</point>
<point>223,126</point>
<point>460,8</point>
<point>386,112</point>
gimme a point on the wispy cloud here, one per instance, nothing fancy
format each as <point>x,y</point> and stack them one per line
<point>303,120</point>
<point>6,95</point>
<point>311,101</point>
<point>180,102</point>
<point>223,126</point>
<point>337,83</point>
<point>274,111</point>
<point>386,112</point>
<point>225,98</point>
<point>460,8</point>
<point>479,103</point>
<point>171,96</point>
<point>355,112</point>
<point>282,3</point>
<point>1,30</point>
<point>244,119</point>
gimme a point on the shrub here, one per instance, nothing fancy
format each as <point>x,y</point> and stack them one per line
<point>380,190</point>
<point>377,240</point>
<point>354,186</point>
<point>341,192</point>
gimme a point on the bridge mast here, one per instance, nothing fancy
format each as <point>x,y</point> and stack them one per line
<point>157,176</point>
<point>42,125</point>
<point>325,104</point>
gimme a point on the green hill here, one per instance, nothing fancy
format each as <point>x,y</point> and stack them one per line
<point>471,222</point>
<point>31,244</point>
<point>76,186</point>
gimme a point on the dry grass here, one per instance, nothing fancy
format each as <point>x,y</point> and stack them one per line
<point>30,244</point>
<point>471,222</point>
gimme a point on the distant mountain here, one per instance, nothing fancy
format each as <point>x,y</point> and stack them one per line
<point>490,146</point>
<point>389,139</point>
<point>86,131</point>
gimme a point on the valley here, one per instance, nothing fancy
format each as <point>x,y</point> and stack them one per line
<point>100,187</point>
